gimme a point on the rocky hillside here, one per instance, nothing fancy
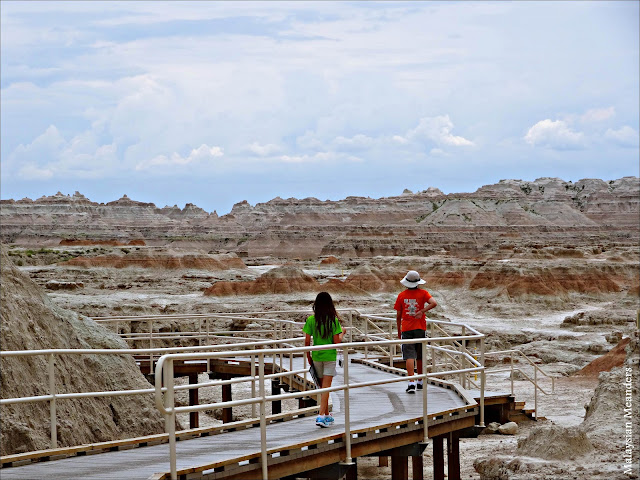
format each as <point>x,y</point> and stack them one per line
<point>512,213</point>
<point>31,321</point>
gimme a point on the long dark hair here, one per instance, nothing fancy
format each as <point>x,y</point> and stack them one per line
<point>325,314</point>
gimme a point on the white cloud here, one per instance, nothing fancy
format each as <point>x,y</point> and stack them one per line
<point>625,136</point>
<point>50,155</point>
<point>263,150</point>
<point>438,130</point>
<point>400,139</point>
<point>357,142</point>
<point>554,134</point>
<point>309,141</point>
<point>203,153</point>
<point>598,115</point>
<point>438,152</point>
<point>33,172</point>
<point>277,84</point>
<point>320,157</point>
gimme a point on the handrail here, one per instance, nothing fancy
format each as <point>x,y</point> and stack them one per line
<point>277,347</point>
<point>166,405</point>
<point>534,381</point>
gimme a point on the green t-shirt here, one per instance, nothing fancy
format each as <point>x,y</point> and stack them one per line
<point>310,329</point>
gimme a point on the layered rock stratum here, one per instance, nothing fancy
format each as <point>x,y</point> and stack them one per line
<point>548,212</point>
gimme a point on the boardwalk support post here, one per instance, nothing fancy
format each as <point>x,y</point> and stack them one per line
<point>399,468</point>
<point>453,455</point>
<point>194,421</point>
<point>399,457</point>
<point>438,458</point>
<point>276,405</point>
<point>227,396</point>
<point>417,466</point>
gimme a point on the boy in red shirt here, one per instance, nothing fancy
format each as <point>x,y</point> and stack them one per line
<point>411,306</point>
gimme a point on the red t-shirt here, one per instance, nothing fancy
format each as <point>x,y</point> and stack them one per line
<point>409,302</point>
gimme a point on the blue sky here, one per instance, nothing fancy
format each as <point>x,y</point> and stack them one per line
<point>213,103</point>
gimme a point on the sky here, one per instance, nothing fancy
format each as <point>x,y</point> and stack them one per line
<point>213,103</point>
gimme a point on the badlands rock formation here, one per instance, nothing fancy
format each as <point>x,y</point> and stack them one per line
<point>31,321</point>
<point>510,215</point>
<point>594,449</point>
<point>548,267</point>
<point>155,259</point>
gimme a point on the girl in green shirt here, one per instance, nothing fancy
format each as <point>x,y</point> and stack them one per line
<point>324,327</point>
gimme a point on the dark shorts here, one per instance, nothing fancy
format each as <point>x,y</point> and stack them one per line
<point>412,350</point>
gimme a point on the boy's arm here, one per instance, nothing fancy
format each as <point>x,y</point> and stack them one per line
<point>399,322</point>
<point>431,303</point>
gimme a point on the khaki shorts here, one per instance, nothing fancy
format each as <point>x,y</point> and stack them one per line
<point>325,368</point>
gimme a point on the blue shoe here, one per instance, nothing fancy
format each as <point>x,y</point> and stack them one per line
<point>329,420</point>
<point>322,422</point>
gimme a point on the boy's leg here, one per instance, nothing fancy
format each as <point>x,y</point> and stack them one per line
<point>410,367</point>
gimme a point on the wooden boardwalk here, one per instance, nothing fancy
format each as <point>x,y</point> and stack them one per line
<point>377,413</point>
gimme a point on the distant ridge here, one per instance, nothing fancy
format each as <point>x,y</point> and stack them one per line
<point>544,205</point>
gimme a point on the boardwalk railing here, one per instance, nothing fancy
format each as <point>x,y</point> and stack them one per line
<point>512,368</point>
<point>53,354</point>
<point>165,398</point>
<point>447,354</point>
<point>380,326</point>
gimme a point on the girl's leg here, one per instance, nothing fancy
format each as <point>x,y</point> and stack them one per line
<point>324,399</point>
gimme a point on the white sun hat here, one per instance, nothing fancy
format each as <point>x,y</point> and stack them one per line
<point>412,279</point>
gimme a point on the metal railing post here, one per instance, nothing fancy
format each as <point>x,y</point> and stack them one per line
<point>465,376</point>
<point>511,373</point>
<point>291,370</point>
<point>306,371</point>
<point>252,359</point>
<point>391,347</point>
<point>482,382</point>
<point>170,416</point>
<point>366,338</point>
<point>263,420</point>
<point>425,385</point>
<point>151,369</point>
<point>347,417</point>
<point>208,359</point>
<point>434,360</point>
<point>52,402</point>
<point>535,389</point>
